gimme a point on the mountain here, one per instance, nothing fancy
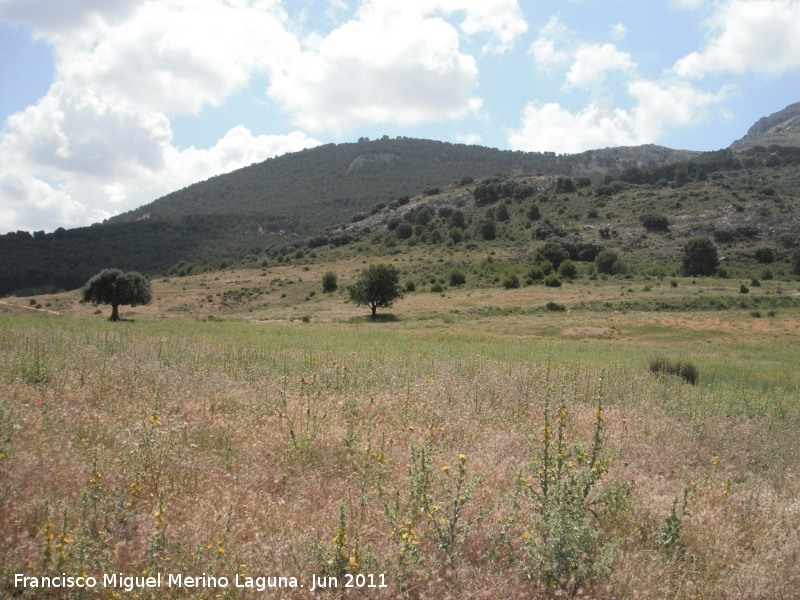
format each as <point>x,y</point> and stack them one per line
<point>321,199</point>
<point>781,128</point>
<point>305,191</point>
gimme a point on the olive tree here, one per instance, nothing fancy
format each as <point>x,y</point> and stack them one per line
<point>378,287</point>
<point>112,286</point>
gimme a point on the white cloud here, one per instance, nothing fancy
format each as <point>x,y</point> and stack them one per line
<point>661,106</point>
<point>618,31</point>
<point>395,63</point>
<point>55,17</point>
<point>748,35</point>
<point>553,128</point>
<point>100,141</point>
<point>177,56</point>
<point>468,139</point>
<point>60,172</point>
<point>593,62</point>
<point>543,49</point>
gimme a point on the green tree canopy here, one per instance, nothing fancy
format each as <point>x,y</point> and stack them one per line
<point>112,286</point>
<point>377,287</point>
<point>700,257</point>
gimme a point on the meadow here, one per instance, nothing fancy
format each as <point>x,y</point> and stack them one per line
<point>472,445</point>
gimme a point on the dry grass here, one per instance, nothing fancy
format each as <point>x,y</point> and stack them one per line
<point>213,449</point>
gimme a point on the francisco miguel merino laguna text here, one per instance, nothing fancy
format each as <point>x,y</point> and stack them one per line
<point>179,580</point>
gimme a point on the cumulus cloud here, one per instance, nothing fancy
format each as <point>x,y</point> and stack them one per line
<point>661,106</point>
<point>543,49</point>
<point>748,35</point>
<point>177,56</point>
<point>593,62</point>
<point>618,31</point>
<point>394,62</point>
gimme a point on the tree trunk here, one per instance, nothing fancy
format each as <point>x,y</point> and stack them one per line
<point>114,313</point>
<point>374,308</point>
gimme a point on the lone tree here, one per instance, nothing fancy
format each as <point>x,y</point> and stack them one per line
<point>329,282</point>
<point>700,257</point>
<point>112,286</point>
<point>377,287</point>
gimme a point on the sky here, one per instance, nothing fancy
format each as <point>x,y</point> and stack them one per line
<point>109,104</point>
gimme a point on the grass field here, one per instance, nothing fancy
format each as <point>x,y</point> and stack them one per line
<point>471,445</point>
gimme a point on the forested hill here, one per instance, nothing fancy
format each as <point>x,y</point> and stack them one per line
<point>251,210</point>
<point>304,191</point>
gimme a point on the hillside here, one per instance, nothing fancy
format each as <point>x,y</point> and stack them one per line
<point>255,209</point>
<point>332,196</point>
<point>782,128</point>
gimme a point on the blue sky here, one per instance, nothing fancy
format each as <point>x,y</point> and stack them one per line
<point>109,104</point>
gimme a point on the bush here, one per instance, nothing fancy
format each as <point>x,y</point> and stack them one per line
<point>536,273</point>
<point>488,229</point>
<point>437,287</point>
<point>755,282</point>
<point>568,269</point>
<point>683,369</point>
<point>534,214</point>
<point>552,280</point>
<point>511,282</point>
<point>700,257</point>
<point>767,274</point>
<point>607,262</point>
<point>796,262</point>
<point>765,256</point>
<point>546,266</point>
<point>553,252</point>
<point>411,286</point>
<point>457,277</point>
<point>555,307</point>
<point>654,222</point>
<point>404,230</point>
<point>329,281</point>
<point>743,289</point>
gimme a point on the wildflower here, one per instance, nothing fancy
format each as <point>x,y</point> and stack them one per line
<point>445,468</point>
<point>462,457</point>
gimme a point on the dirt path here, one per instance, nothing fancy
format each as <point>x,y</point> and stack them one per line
<point>52,312</point>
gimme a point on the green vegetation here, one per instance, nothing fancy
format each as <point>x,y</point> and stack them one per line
<point>112,286</point>
<point>378,287</point>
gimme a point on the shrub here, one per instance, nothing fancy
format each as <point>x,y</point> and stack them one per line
<point>358,217</point>
<point>767,274</point>
<point>607,262</point>
<point>456,235</point>
<point>546,266</point>
<point>796,262</point>
<point>553,252</point>
<point>743,289</point>
<point>535,273</point>
<point>437,287</point>
<point>568,269</point>
<point>755,282</point>
<point>511,282</point>
<point>765,256</point>
<point>552,280</point>
<point>329,281</point>
<point>411,286</point>
<point>756,314</point>
<point>404,230</point>
<point>457,277</point>
<point>700,257</point>
<point>555,307</point>
<point>488,229</point>
<point>683,369</point>
<point>534,214</point>
<point>654,222</point>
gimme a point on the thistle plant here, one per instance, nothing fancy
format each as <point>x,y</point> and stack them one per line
<point>563,546</point>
